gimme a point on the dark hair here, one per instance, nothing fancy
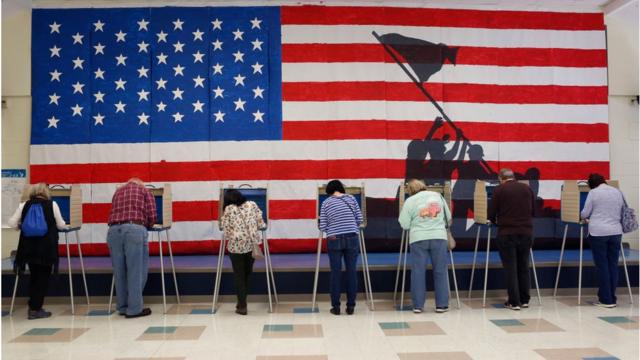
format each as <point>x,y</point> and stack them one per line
<point>233,197</point>
<point>595,180</point>
<point>333,186</point>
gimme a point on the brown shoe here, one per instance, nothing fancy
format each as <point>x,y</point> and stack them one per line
<point>144,312</point>
<point>241,311</point>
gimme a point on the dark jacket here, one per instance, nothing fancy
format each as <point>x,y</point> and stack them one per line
<point>512,208</point>
<point>41,250</point>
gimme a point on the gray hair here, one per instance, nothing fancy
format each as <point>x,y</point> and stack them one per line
<point>506,173</point>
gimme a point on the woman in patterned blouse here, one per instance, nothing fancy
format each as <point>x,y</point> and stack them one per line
<point>240,223</point>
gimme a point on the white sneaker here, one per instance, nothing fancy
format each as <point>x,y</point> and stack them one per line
<point>417,310</point>
<point>608,306</point>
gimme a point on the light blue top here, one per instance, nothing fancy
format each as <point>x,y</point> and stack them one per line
<point>340,215</point>
<point>424,227</point>
<point>603,208</point>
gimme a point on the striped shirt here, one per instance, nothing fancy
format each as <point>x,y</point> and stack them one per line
<point>340,215</point>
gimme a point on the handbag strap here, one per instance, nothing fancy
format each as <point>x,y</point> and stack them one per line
<point>444,212</point>
<point>624,201</point>
<point>349,206</point>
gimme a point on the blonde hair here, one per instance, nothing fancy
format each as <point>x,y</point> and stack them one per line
<point>39,190</point>
<point>135,180</point>
<point>414,186</point>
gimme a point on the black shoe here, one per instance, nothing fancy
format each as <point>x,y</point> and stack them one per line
<point>241,311</point>
<point>525,305</point>
<point>335,310</point>
<point>144,312</point>
<point>350,310</point>
<point>38,314</point>
<point>442,309</point>
<point>507,305</point>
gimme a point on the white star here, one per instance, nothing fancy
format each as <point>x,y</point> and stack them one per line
<point>217,45</point>
<point>217,69</point>
<point>121,60</point>
<point>257,68</point>
<point>120,84</point>
<point>142,46</point>
<point>55,51</point>
<point>161,106</point>
<point>99,49</point>
<point>99,74</point>
<point>162,59</point>
<point>53,122</point>
<point>239,79</point>
<point>55,27</point>
<point>53,99</point>
<point>178,46</point>
<point>77,110</point>
<point>177,93</point>
<point>77,38</point>
<point>217,24</point>
<point>143,119</point>
<point>99,119</point>
<point>178,70</point>
<point>219,116</point>
<point>120,36</point>
<point>99,97</point>
<point>257,92</point>
<point>257,44</point>
<point>255,23</point>
<point>197,106</point>
<point>77,63</point>
<point>120,107</point>
<point>143,95</point>
<point>55,75</point>
<point>98,25</point>
<point>199,81</point>
<point>177,24</point>
<point>142,25</point>
<point>177,117</point>
<point>237,34</point>
<point>142,72</point>
<point>257,116</point>
<point>238,56</point>
<point>197,57</point>
<point>218,92</point>
<point>162,36</point>
<point>77,87</point>
<point>161,84</point>
<point>239,104</point>
<point>197,35</point>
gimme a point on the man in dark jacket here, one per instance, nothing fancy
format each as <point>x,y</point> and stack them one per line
<point>512,210</point>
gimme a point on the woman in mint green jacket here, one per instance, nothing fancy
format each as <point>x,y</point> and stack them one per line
<point>423,214</point>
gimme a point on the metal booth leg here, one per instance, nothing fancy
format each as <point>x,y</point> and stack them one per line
<point>266,270</point>
<point>315,278</point>
<point>404,269</point>
<point>580,267</point>
<point>473,263</point>
<point>13,296</point>
<point>486,268</point>
<point>367,274</point>
<point>395,287</point>
<point>626,273</point>
<point>535,277</point>
<point>173,267</point>
<point>455,278</point>
<point>564,241</point>
<point>84,277</point>
<point>66,240</point>
<point>164,290</point>
<point>216,287</point>
<point>267,257</point>
<point>113,281</point>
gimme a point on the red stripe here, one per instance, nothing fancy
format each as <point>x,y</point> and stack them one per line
<point>467,55</point>
<point>469,93</point>
<point>280,170</point>
<point>416,129</point>
<point>494,19</point>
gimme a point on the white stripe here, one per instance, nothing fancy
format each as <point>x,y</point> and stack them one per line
<point>413,110</point>
<point>501,38</point>
<point>449,74</point>
<point>317,150</point>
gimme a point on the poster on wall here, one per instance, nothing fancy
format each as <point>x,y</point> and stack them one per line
<point>13,182</point>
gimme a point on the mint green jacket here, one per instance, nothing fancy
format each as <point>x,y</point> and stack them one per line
<point>424,228</point>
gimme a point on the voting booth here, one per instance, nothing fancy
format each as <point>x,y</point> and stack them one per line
<point>69,200</point>
<point>260,196</point>
<point>443,189</point>
<point>359,194</point>
<point>573,196</point>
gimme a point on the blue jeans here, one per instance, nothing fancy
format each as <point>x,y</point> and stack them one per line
<point>347,245</point>
<point>606,250</point>
<point>437,251</point>
<point>129,249</point>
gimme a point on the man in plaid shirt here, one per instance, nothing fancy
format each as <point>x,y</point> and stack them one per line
<point>133,211</point>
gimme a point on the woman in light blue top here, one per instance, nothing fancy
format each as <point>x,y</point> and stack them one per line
<point>603,210</point>
<point>423,214</point>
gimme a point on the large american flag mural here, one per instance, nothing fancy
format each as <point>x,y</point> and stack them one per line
<point>290,97</point>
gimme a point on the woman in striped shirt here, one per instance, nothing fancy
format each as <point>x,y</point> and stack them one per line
<point>340,218</point>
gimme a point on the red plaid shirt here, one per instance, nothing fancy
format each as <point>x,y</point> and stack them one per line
<point>133,202</point>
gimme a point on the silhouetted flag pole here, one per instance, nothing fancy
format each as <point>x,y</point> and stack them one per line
<point>426,59</point>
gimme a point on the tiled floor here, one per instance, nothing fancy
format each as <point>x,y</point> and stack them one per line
<point>558,330</point>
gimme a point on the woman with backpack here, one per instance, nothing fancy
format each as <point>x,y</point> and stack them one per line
<point>38,220</point>
<point>240,224</point>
